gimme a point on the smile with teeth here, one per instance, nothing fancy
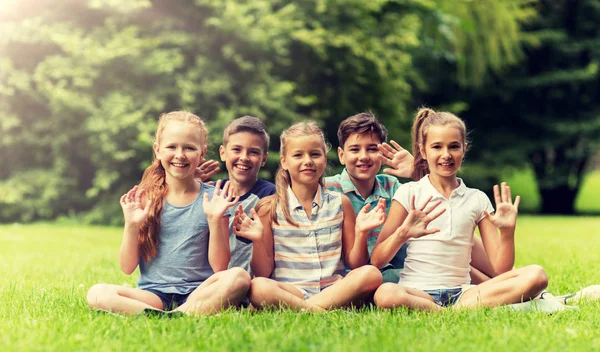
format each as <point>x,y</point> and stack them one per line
<point>446,164</point>
<point>180,165</point>
<point>242,167</point>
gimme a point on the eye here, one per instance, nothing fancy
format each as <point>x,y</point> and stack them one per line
<point>254,152</point>
<point>373,150</point>
<point>455,146</point>
<point>235,149</point>
<point>435,147</point>
<point>354,150</point>
<point>190,148</point>
<point>315,154</point>
<point>170,147</point>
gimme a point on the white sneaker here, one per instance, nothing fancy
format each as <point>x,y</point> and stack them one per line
<point>540,305</point>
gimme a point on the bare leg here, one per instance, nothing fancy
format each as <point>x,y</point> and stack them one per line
<point>391,295</point>
<point>265,293</point>
<point>481,266</point>
<point>220,291</point>
<point>354,289</point>
<point>515,286</point>
<point>121,299</point>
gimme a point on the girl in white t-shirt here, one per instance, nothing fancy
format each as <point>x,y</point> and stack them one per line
<point>436,270</point>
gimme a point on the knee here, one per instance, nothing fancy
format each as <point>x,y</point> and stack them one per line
<point>240,280</point>
<point>389,295</point>
<point>537,277</point>
<point>369,276</point>
<point>98,295</point>
<point>260,288</point>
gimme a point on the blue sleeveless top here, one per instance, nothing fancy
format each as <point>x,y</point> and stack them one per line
<point>181,263</point>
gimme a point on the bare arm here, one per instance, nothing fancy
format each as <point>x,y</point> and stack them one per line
<point>263,252</point>
<point>390,240</point>
<point>218,225</point>
<point>135,213</point>
<point>501,249</point>
<point>354,241</point>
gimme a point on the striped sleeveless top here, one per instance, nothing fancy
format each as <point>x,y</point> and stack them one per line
<point>310,256</point>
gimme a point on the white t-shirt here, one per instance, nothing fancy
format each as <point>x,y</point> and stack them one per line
<point>441,260</point>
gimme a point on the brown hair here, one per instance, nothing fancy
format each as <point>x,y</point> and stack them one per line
<point>155,186</point>
<point>427,117</point>
<point>362,123</point>
<point>282,178</point>
<point>247,124</point>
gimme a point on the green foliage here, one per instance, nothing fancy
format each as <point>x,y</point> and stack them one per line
<point>82,83</point>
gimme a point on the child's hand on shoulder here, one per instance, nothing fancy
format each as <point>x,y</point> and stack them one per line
<point>415,224</point>
<point>369,220</point>
<point>206,170</point>
<point>398,158</point>
<point>221,200</point>
<point>134,211</point>
<point>505,217</point>
<point>246,226</point>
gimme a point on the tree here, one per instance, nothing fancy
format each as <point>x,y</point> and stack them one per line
<point>547,108</point>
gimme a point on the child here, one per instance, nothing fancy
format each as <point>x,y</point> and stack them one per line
<point>301,234</point>
<point>244,151</point>
<point>176,235</point>
<point>437,264</point>
<point>359,137</point>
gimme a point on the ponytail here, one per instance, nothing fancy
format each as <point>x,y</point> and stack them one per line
<point>155,187</point>
<point>420,167</point>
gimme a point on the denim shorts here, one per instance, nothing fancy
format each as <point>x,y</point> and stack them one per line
<point>170,301</point>
<point>445,296</point>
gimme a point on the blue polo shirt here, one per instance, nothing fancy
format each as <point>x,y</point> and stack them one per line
<point>385,187</point>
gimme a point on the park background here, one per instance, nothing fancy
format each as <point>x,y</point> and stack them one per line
<point>82,83</point>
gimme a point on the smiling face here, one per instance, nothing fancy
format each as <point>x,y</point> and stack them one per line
<point>444,149</point>
<point>304,159</point>
<point>180,150</point>
<point>360,156</point>
<point>243,155</point>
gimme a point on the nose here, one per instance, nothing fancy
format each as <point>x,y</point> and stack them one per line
<point>244,155</point>
<point>308,160</point>
<point>446,153</point>
<point>362,154</point>
<point>179,154</point>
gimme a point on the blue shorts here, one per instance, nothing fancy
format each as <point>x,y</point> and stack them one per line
<point>445,296</point>
<point>170,301</point>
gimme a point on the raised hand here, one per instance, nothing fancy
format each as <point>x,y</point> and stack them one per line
<point>221,200</point>
<point>419,218</point>
<point>398,158</point>
<point>246,226</point>
<point>505,217</point>
<point>134,212</point>
<point>369,220</point>
<point>206,170</point>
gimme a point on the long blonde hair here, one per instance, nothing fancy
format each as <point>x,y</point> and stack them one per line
<point>427,117</point>
<point>282,178</point>
<point>155,186</point>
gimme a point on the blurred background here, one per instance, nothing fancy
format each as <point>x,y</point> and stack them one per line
<point>82,83</point>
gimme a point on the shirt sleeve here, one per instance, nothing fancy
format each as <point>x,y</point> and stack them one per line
<point>485,205</point>
<point>403,195</point>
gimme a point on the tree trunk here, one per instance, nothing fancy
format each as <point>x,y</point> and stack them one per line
<point>558,200</point>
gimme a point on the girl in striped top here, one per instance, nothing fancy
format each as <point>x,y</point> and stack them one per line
<point>302,234</point>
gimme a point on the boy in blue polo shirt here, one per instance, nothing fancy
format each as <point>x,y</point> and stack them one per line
<point>362,150</point>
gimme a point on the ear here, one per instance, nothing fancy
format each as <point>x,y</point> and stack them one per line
<point>283,163</point>
<point>264,159</point>
<point>341,155</point>
<point>222,152</point>
<point>156,148</point>
<point>422,151</point>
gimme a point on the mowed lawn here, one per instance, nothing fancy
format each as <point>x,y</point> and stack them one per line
<point>46,270</point>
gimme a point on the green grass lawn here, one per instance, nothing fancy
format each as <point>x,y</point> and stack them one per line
<point>46,270</point>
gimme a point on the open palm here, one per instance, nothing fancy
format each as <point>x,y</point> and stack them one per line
<point>419,218</point>
<point>398,158</point>
<point>246,226</point>
<point>506,213</point>
<point>134,211</point>
<point>221,200</point>
<point>369,220</point>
